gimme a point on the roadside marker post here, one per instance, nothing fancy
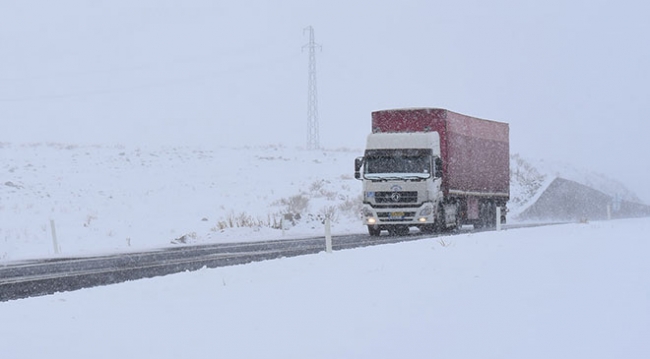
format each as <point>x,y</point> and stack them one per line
<point>498,218</point>
<point>328,236</point>
<point>54,241</point>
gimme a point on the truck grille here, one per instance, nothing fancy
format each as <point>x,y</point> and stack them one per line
<point>396,197</point>
<point>396,216</point>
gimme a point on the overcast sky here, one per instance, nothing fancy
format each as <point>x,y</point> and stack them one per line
<point>571,77</point>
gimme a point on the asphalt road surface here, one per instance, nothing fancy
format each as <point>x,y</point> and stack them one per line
<point>34,278</point>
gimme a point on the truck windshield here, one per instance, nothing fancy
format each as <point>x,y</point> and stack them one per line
<point>401,164</point>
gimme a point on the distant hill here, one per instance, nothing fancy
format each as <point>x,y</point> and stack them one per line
<point>543,190</point>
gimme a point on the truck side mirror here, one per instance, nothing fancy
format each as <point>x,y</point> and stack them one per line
<point>358,162</point>
<point>438,164</point>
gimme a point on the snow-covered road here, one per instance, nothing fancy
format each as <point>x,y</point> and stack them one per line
<point>568,291</point>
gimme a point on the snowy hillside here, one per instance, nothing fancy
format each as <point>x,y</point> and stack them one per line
<point>530,177</point>
<point>115,198</point>
<point>595,180</point>
<point>104,199</point>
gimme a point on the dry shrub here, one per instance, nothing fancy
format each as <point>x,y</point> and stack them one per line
<point>239,220</point>
<point>295,204</point>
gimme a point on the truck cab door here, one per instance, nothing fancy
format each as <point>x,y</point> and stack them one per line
<point>437,166</point>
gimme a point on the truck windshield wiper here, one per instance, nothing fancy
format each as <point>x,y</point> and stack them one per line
<point>384,178</point>
<point>415,177</point>
<point>408,177</point>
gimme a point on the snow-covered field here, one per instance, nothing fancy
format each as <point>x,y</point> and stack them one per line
<point>568,291</point>
<point>107,199</point>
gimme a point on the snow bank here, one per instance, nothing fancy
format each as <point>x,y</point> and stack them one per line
<point>569,291</point>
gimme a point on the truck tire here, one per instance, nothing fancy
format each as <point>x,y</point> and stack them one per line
<point>428,229</point>
<point>374,232</point>
<point>491,219</point>
<point>457,223</point>
<point>451,226</point>
<point>440,224</point>
<point>481,221</point>
<point>487,215</point>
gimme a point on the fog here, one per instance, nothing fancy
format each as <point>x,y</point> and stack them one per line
<point>570,77</point>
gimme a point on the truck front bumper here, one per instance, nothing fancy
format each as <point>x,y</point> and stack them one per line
<point>410,216</point>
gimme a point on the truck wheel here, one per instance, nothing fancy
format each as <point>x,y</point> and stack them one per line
<point>491,220</point>
<point>451,226</point>
<point>487,215</point>
<point>428,229</point>
<point>374,231</point>
<point>440,224</point>
<point>457,223</point>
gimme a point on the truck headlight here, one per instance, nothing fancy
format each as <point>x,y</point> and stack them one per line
<point>426,211</point>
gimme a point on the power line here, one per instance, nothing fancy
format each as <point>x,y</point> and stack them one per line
<point>312,94</point>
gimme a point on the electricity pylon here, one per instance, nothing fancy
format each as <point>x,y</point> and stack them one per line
<point>313,137</point>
